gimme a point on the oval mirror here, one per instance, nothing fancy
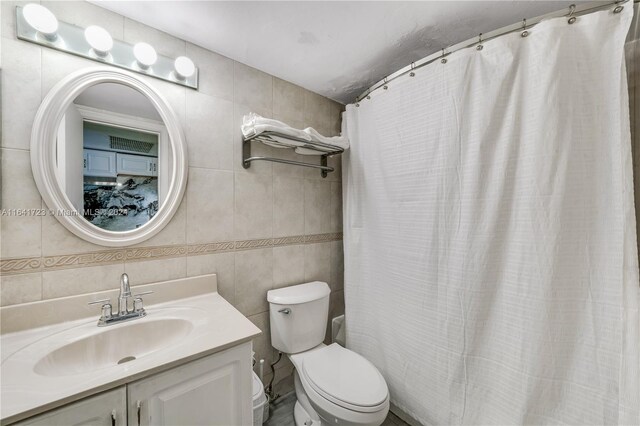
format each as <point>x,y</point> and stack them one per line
<point>109,157</point>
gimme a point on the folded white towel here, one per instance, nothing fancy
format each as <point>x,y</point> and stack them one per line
<point>254,124</point>
<point>307,151</point>
<point>340,141</point>
<point>318,150</point>
<point>279,142</point>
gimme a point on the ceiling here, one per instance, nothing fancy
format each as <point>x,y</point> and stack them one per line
<point>334,48</point>
<point>118,98</point>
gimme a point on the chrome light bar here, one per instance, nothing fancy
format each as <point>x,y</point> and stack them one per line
<point>71,39</point>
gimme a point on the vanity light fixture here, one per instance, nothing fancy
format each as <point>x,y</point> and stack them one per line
<point>184,67</point>
<point>99,39</point>
<point>145,55</point>
<point>41,19</point>
<point>37,24</point>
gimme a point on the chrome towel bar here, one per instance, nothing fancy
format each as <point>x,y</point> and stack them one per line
<point>282,160</point>
<point>324,151</point>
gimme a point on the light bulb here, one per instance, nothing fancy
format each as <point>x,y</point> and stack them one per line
<point>145,55</point>
<point>99,39</point>
<point>41,19</point>
<point>184,67</point>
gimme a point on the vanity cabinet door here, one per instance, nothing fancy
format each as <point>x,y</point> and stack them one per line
<point>215,390</point>
<point>105,409</point>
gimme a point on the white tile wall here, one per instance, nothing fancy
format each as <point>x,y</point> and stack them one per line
<point>288,206</point>
<point>254,277</point>
<point>20,235</point>
<point>223,201</point>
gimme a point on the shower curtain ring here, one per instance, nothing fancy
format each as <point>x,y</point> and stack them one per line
<point>479,46</point>
<point>412,74</point>
<point>443,60</point>
<point>524,32</point>
<point>572,10</point>
<point>618,7</point>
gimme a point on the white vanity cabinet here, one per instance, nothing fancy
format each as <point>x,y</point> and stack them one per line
<point>215,390</point>
<point>106,409</point>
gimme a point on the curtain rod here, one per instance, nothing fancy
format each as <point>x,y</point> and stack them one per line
<point>526,24</point>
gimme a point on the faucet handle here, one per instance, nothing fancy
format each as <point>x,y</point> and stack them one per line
<point>106,311</point>
<point>137,301</point>
<point>137,305</point>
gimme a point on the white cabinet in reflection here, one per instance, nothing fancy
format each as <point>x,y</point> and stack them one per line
<point>111,164</point>
<point>136,165</point>
<point>99,163</point>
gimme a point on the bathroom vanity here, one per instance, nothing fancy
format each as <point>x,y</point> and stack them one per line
<point>188,361</point>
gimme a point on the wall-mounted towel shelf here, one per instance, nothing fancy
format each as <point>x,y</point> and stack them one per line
<point>324,150</point>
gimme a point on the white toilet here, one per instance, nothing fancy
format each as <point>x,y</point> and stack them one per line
<point>334,386</point>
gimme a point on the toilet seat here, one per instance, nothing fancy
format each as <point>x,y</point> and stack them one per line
<point>345,378</point>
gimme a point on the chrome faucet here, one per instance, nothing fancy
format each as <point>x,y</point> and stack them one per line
<point>107,316</point>
<point>125,295</point>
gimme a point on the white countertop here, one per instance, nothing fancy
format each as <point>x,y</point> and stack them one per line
<point>216,326</point>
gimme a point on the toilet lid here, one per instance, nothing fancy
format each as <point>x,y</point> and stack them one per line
<point>344,377</point>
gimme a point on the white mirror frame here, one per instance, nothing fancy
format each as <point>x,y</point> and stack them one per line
<point>43,156</point>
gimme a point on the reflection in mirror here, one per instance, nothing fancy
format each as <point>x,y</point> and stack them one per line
<point>112,157</point>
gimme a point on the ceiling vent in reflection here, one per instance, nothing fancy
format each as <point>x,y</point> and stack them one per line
<point>124,144</point>
<point>125,140</point>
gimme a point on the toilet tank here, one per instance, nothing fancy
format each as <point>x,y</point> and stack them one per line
<point>298,316</point>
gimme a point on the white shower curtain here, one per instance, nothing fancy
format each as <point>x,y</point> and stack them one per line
<point>491,269</point>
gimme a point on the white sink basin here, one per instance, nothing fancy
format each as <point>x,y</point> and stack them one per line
<point>113,345</point>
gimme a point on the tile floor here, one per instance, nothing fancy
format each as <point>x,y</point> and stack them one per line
<point>282,413</point>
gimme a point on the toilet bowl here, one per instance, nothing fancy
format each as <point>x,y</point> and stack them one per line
<point>334,385</point>
<point>342,387</point>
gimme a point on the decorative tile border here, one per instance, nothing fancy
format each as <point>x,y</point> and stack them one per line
<point>83,259</point>
<point>254,244</point>
<point>322,238</point>
<point>210,248</point>
<point>79,260</point>
<point>288,241</point>
<point>146,253</point>
<point>20,266</point>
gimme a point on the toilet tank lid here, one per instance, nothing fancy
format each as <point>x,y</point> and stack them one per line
<point>301,293</point>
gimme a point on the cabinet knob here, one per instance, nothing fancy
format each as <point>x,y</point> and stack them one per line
<point>139,409</point>
<point>113,417</point>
